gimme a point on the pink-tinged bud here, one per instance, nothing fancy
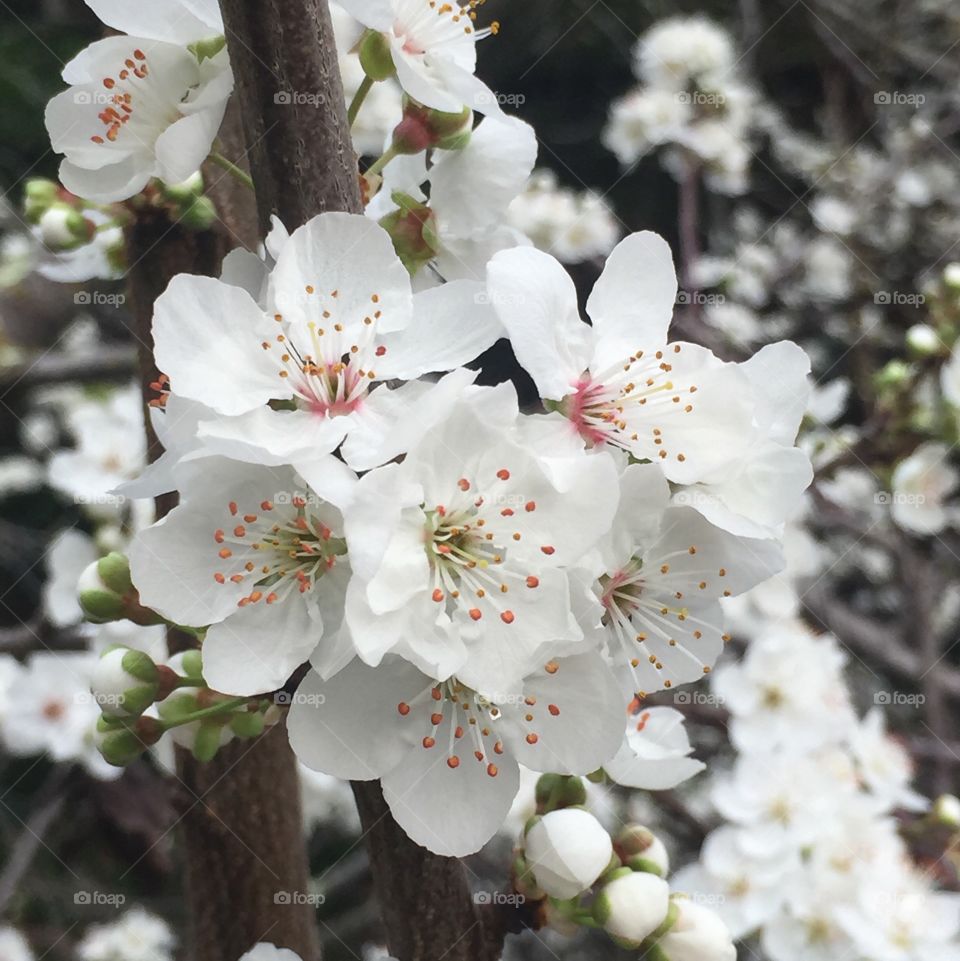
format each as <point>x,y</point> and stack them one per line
<point>640,849</point>
<point>413,230</point>
<point>423,129</point>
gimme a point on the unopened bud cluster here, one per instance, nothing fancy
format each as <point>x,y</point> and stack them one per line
<point>585,876</point>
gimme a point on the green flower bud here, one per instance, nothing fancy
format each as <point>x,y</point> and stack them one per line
<point>946,810</point>
<point>114,571</point>
<point>555,791</point>
<point>413,230</point>
<point>375,56</point>
<point>923,341</point>
<point>207,740</point>
<point>199,214</point>
<point>125,682</point>
<point>187,190</point>
<point>99,603</point>
<point>951,276</point>
<point>63,228</point>
<point>39,195</point>
<point>119,744</point>
<point>192,663</point>
<point>247,724</point>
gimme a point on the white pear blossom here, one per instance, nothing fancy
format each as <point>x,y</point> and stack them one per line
<point>754,495</point>
<point>618,381</point>
<point>264,951</point>
<point>340,318</point>
<point>257,555</point>
<point>49,710</point>
<point>884,764</point>
<point>461,553</point>
<point>574,227</point>
<point>110,449</point>
<point>662,572</point>
<point>567,850</point>
<point>434,49</point>
<point>141,105</point>
<point>13,945</point>
<point>137,935</point>
<point>655,754</point>
<point>787,692</point>
<point>921,485</point>
<point>447,754</point>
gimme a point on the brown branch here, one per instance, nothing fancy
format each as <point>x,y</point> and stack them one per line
<point>303,163</point>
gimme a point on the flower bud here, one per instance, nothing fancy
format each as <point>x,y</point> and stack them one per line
<point>375,56</point>
<point>200,213</point>
<point>567,850</point>
<point>107,594</point>
<point>893,374</point>
<point>423,128</point>
<point>922,339</point>
<point>186,190</point>
<point>247,723</point>
<point>125,682</point>
<point>697,934</point>
<point>555,791</point>
<point>951,276</point>
<point>39,195</point>
<point>207,740</point>
<point>632,906</point>
<point>413,230</point>
<point>641,850</point>
<point>946,810</point>
<point>63,228</point>
<point>120,743</point>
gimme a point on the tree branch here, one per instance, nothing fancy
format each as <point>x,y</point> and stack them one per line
<point>303,163</point>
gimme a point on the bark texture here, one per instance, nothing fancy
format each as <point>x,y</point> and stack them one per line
<point>303,163</point>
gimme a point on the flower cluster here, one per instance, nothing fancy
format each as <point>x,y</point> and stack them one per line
<point>811,856</point>
<point>690,101</point>
<point>567,860</point>
<point>516,580</point>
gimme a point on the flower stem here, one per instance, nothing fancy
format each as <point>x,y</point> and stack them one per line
<point>381,162</point>
<point>224,707</point>
<point>232,169</point>
<point>365,87</point>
